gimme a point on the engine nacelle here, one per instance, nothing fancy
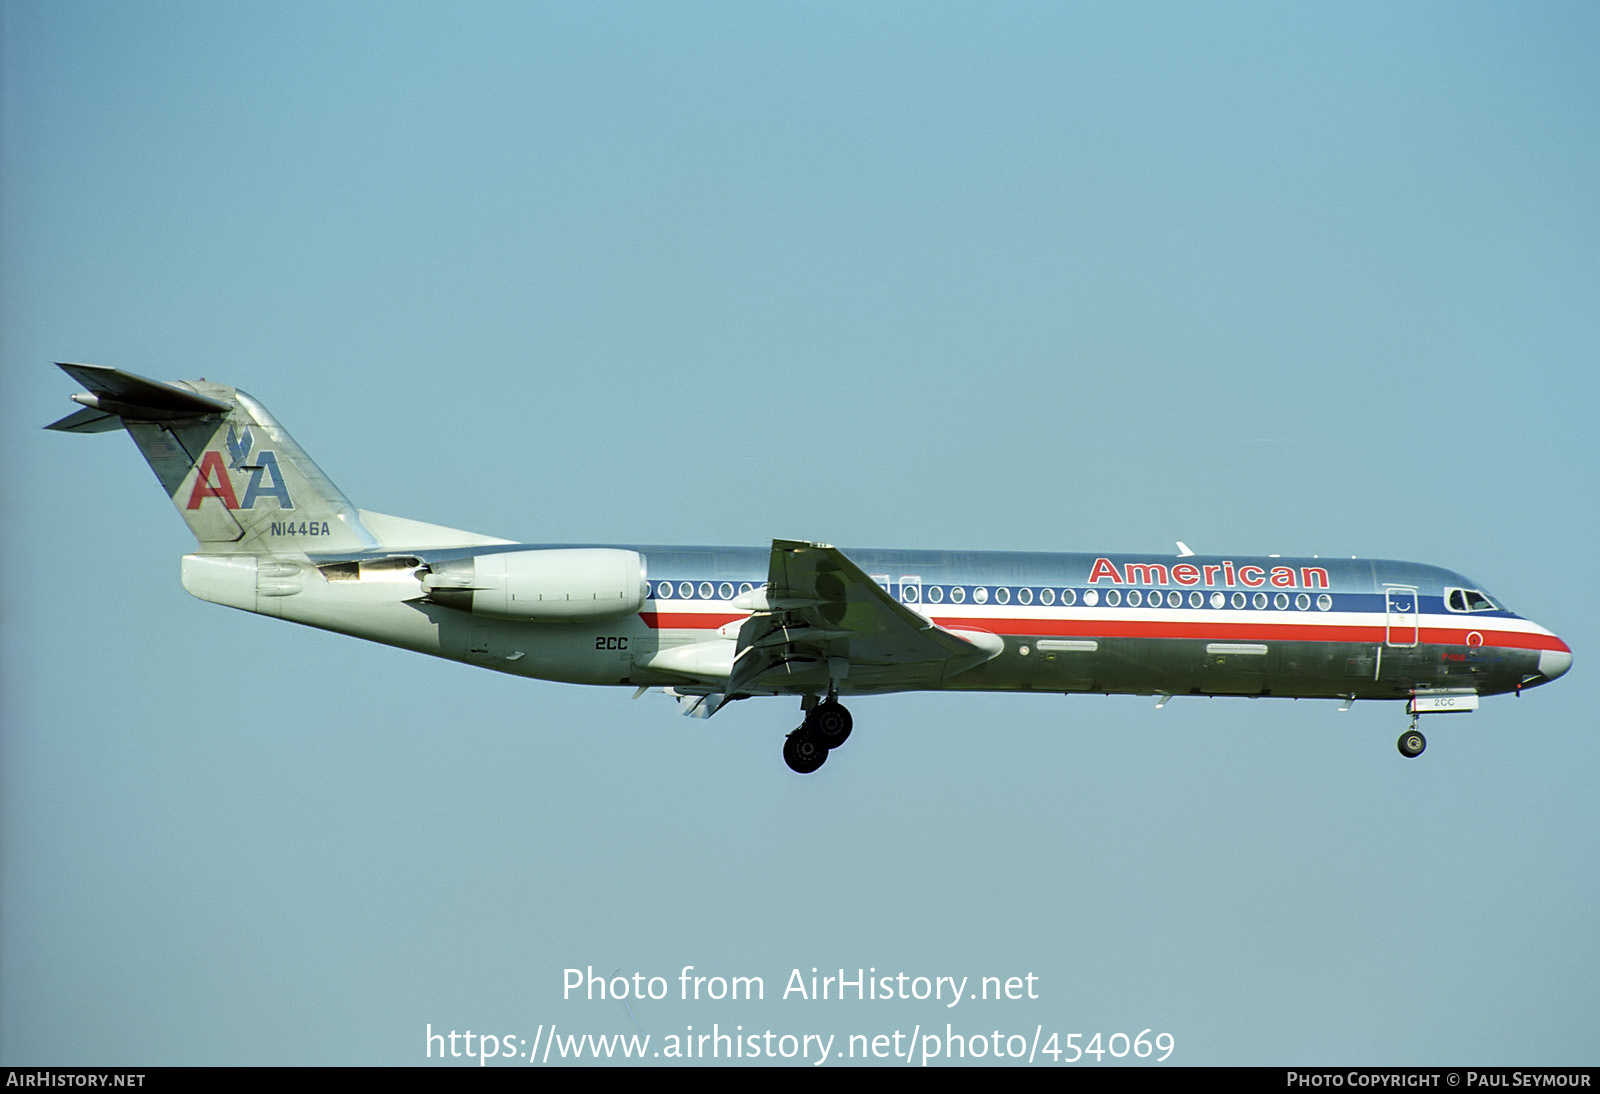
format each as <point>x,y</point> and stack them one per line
<point>554,585</point>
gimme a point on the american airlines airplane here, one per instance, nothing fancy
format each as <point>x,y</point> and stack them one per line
<point>712,624</point>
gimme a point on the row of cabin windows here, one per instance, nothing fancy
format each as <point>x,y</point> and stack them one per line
<point>688,590</point>
<point>957,594</point>
<point>1457,600</point>
<point>1155,598</point>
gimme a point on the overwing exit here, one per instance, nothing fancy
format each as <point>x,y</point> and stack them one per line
<point>710,625</point>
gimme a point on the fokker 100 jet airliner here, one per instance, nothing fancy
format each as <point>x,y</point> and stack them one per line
<point>713,624</point>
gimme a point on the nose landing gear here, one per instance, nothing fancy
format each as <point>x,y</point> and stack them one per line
<point>1412,742</point>
<point>1431,702</point>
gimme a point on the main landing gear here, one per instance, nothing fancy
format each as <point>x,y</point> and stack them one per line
<point>827,726</point>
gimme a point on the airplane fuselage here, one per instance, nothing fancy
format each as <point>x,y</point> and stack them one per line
<point>1321,627</point>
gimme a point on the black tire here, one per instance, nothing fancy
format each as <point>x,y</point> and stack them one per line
<point>803,753</point>
<point>829,723</point>
<point>1411,744</point>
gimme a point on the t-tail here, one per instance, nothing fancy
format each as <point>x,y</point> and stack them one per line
<point>238,479</point>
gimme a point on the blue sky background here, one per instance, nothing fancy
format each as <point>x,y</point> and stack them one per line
<point>1261,277</point>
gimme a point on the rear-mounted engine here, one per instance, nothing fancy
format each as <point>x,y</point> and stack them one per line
<point>554,585</point>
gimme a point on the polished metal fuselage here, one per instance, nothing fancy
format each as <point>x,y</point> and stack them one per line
<point>1117,624</point>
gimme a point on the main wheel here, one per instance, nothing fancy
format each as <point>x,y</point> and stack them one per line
<point>802,753</point>
<point>829,723</point>
<point>1412,743</point>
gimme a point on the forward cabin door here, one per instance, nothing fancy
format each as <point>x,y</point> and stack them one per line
<point>1400,616</point>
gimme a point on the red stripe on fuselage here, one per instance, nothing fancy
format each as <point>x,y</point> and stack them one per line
<point>689,621</point>
<point>1369,634</point>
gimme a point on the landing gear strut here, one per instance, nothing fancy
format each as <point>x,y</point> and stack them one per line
<point>827,726</point>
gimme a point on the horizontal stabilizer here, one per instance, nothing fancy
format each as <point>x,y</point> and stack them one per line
<point>87,421</point>
<point>119,394</point>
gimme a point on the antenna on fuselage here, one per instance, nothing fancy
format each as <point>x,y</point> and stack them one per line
<point>1183,549</point>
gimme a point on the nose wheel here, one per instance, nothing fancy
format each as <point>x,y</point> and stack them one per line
<point>827,726</point>
<point>1412,742</point>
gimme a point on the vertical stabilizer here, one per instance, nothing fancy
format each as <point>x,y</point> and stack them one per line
<point>237,478</point>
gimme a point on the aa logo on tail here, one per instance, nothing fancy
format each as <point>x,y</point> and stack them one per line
<point>212,479</point>
<point>239,446</point>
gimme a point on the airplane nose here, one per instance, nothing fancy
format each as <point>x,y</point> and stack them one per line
<point>1553,663</point>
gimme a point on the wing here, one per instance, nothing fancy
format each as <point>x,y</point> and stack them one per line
<point>823,624</point>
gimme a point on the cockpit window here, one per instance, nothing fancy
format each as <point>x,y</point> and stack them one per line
<point>1468,600</point>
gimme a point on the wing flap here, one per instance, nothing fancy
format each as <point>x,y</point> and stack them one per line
<point>824,620</point>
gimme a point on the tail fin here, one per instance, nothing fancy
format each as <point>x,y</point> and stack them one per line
<point>235,475</point>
